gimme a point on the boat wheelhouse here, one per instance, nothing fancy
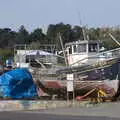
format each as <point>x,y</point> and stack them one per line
<point>80,50</point>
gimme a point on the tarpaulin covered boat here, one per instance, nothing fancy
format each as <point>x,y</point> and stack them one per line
<point>17,84</point>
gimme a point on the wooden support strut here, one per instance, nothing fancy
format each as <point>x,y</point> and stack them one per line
<point>100,94</point>
<point>88,93</point>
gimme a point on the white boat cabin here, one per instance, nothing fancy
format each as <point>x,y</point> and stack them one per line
<point>79,51</point>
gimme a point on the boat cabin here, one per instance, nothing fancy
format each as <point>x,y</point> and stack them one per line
<point>80,50</point>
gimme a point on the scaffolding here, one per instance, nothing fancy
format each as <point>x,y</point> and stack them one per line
<point>22,53</point>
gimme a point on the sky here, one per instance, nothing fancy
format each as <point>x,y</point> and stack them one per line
<point>40,13</point>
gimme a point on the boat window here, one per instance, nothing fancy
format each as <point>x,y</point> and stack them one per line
<point>93,47</point>
<point>75,48</point>
<point>70,50</point>
<point>81,48</point>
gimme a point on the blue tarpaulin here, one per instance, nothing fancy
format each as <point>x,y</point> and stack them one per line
<point>17,84</point>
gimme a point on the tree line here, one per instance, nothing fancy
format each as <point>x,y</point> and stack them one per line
<point>8,37</point>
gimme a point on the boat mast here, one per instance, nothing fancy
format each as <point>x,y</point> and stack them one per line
<point>61,42</point>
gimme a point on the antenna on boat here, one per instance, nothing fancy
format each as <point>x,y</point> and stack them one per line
<point>83,31</point>
<point>113,38</point>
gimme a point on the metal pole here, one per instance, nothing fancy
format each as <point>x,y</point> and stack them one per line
<point>67,98</point>
<point>73,89</point>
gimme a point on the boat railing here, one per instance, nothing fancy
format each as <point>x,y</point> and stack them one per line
<point>110,53</point>
<point>114,53</point>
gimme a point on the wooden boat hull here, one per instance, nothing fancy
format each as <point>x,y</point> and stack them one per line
<point>105,78</point>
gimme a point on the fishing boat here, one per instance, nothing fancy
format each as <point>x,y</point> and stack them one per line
<point>90,68</point>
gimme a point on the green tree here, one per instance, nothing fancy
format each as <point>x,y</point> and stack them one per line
<point>64,29</point>
<point>7,38</point>
<point>22,36</point>
<point>38,36</point>
<point>78,33</point>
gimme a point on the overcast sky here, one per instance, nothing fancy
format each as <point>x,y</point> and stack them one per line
<point>41,13</point>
